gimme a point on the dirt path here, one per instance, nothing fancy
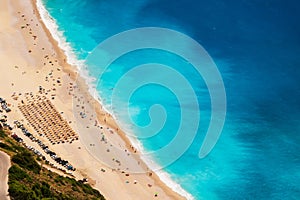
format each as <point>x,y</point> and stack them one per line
<point>4,166</point>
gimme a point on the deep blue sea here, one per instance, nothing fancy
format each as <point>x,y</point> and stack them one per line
<point>256,47</point>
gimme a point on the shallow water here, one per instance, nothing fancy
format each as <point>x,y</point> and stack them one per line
<point>256,46</point>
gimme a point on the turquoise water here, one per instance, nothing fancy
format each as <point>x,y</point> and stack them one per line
<point>256,46</point>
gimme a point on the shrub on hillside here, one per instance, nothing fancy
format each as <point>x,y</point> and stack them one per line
<point>17,174</point>
<point>25,160</point>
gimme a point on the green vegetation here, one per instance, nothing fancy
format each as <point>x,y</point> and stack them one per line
<point>2,134</point>
<point>9,145</point>
<point>6,147</point>
<point>25,160</point>
<point>18,174</point>
<point>28,180</point>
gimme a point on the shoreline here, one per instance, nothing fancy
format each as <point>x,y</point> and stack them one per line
<point>26,55</point>
<point>69,55</point>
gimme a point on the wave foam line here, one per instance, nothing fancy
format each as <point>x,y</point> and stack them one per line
<point>72,59</point>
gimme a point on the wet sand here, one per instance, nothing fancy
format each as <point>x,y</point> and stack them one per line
<point>30,59</point>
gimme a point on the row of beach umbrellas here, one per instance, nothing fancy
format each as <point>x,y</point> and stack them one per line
<point>46,120</point>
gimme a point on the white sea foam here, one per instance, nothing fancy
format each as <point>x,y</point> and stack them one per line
<point>165,177</point>
<point>52,26</point>
<point>72,59</point>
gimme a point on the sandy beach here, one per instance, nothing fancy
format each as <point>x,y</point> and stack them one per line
<point>33,66</point>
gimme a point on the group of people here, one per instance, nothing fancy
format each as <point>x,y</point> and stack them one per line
<point>4,105</point>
